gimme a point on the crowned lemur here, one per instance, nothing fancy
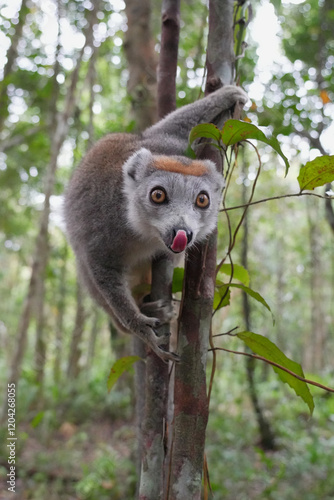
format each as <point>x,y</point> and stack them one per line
<point>134,197</point>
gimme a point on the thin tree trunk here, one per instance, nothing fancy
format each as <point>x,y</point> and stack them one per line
<point>267,438</point>
<point>73,366</point>
<point>154,427</point>
<point>141,57</point>
<point>11,57</point>
<point>39,261</point>
<point>40,347</point>
<point>139,50</point>
<point>315,348</point>
<point>191,401</point>
<point>170,32</point>
<point>93,336</point>
<point>191,409</point>
<point>329,211</point>
<point>280,289</point>
<point>61,302</point>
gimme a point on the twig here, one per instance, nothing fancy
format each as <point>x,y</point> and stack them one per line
<point>276,198</point>
<point>261,358</point>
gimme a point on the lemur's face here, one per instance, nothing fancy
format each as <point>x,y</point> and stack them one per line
<point>173,200</point>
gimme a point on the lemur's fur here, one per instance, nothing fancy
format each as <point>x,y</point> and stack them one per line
<point>136,196</point>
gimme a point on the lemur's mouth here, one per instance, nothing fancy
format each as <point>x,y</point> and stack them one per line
<point>181,238</point>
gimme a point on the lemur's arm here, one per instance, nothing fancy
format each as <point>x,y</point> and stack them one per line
<point>170,135</point>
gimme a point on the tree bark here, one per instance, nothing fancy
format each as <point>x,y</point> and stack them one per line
<point>267,438</point>
<point>141,57</point>
<point>139,50</point>
<point>93,337</point>
<point>191,401</point>
<point>61,302</point>
<point>170,31</point>
<point>154,427</point>
<point>315,347</point>
<point>73,366</point>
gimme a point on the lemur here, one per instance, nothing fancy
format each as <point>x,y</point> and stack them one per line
<point>134,197</point>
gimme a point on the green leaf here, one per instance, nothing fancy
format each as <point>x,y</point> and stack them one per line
<point>37,419</point>
<point>316,173</point>
<point>254,295</point>
<point>190,153</point>
<point>239,272</point>
<point>178,276</point>
<point>119,367</point>
<point>264,347</point>
<point>236,131</point>
<point>207,130</point>
<point>220,292</point>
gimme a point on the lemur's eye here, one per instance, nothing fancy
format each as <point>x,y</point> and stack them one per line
<point>203,200</point>
<point>158,195</point>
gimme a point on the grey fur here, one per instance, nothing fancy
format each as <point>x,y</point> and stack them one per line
<point>114,226</point>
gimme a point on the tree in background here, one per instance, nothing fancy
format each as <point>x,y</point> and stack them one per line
<point>297,104</point>
<point>35,95</point>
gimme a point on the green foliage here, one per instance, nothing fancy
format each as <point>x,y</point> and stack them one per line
<point>235,131</point>
<point>246,289</point>
<point>207,130</point>
<point>178,275</point>
<point>109,476</point>
<point>316,173</point>
<point>119,367</point>
<point>267,349</point>
<point>236,272</point>
<point>301,467</point>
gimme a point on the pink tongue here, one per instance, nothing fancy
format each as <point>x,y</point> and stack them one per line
<point>180,241</point>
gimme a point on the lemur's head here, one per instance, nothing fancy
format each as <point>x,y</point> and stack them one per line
<point>171,198</point>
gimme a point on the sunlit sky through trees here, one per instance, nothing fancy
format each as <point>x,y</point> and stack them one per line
<point>264,31</point>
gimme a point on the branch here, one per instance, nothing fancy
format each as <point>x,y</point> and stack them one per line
<point>16,140</point>
<point>261,358</point>
<point>301,193</point>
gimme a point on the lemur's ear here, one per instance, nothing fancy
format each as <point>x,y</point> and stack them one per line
<point>136,165</point>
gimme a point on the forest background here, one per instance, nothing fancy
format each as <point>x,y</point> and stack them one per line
<point>65,83</point>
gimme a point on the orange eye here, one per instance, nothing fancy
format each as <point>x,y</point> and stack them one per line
<point>202,200</point>
<point>158,195</point>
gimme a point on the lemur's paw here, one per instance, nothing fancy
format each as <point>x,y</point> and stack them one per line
<point>146,331</point>
<point>160,309</point>
<point>167,356</point>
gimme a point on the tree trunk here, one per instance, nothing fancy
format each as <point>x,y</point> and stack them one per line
<point>40,347</point>
<point>191,409</point>
<point>39,261</point>
<point>73,366</point>
<point>154,426</point>
<point>61,302</point>
<point>329,211</point>
<point>267,438</point>
<point>315,348</point>
<point>139,50</point>
<point>141,57</point>
<point>96,320</point>
<point>191,401</point>
<point>11,57</point>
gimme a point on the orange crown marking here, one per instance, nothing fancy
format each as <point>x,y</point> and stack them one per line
<point>195,168</point>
